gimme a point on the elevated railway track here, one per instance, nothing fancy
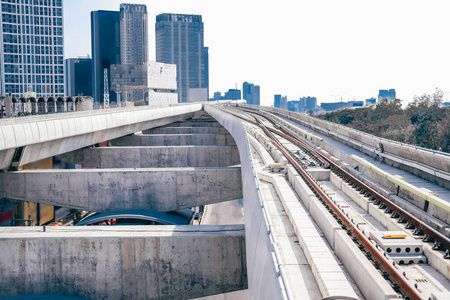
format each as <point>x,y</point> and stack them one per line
<point>393,271</point>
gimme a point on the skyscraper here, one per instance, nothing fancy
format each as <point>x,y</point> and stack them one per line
<point>105,39</point>
<point>79,76</point>
<point>133,34</point>
<point>251,93</point>
<point>309,102</point>
<point>118,38</point>
<point>277,101</point>
<point>179,40</point>
<point>32,45</point>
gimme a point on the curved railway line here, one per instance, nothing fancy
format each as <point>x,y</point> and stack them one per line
<point>275,130</point>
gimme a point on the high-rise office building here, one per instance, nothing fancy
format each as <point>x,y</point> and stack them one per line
<point>133,34</point>
<point>310,103</point>
<point>105,39</point>
<point>32,53</point>
<point>179,40</point>
<point>118,38</point>
<point>233,94</point>
<point>387,94</point>
<point>251,93</point>
<point>277,101</point>
<point>79,76</point>
<point>293,105</point>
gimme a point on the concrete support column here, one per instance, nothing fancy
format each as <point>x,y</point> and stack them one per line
<point>46,106</point>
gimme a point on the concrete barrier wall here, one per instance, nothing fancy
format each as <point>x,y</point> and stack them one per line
<point>153,157</point>
<point>186,130</point>
<point>123,262</point>
<point>47,136</point>
<point>116,189</point>
<point>174,140</point>
<point>263,279</point>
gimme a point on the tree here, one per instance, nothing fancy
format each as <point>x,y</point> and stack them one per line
<point>423,122</point>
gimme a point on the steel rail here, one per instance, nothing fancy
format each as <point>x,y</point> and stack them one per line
<point>441,241</point>
<point>398,278</point>
<point>426,229</point>
<point>399,282</point>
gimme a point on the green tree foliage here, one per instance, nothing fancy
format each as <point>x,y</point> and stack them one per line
<point>423,122</point>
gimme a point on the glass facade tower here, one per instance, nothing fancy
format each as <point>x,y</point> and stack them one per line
<point>105,38</point>
<point>134,34</point>
<point>251,93</point>
<point>32,47</point>
<point>79,76</point>
<point>118,38</point>
<point>179,40</point>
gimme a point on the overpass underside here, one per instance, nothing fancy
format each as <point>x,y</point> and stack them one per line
<point>183,160</point>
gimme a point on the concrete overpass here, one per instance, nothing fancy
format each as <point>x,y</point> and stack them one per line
<point>25,140</point>
<point>293,249</point>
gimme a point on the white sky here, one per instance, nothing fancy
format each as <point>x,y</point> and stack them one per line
<point>328,49</point>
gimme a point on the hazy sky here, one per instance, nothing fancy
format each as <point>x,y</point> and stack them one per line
<point>328,49</point>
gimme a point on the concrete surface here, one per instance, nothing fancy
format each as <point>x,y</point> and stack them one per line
<point>156,156</point>
<point>302,283</point>
<point>186,130</point>
<point>429,164</point>
<point>123,262</point>
<point>138,139</point>
<point>49,135</point>
<point>104,190</point>
<point>228,212</point>
<point>241,295</point>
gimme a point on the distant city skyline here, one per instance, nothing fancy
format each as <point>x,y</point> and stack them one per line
<point>328,49</point>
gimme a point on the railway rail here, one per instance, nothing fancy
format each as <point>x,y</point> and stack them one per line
<point>388,269</point>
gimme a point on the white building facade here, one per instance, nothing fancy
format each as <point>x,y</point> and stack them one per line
<point>32,47</point>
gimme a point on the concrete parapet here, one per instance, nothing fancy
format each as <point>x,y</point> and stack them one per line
<point>195,123</point>
<point>156,156</point>
<point>123,262</point>
<point>186,130</point>
<point>174,140</point>
<point>262,267</point>
<point>115,189</point>
<point>421,198</point>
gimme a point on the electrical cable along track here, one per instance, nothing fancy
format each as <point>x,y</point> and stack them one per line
<point>388,269</point>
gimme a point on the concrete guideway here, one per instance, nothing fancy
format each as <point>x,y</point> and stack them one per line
<point>356,263</point>
<point>123,262</point>
<point>429,164</point>
<point>154,156</point>
<point>160,189</point>
<point>46,136</point>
